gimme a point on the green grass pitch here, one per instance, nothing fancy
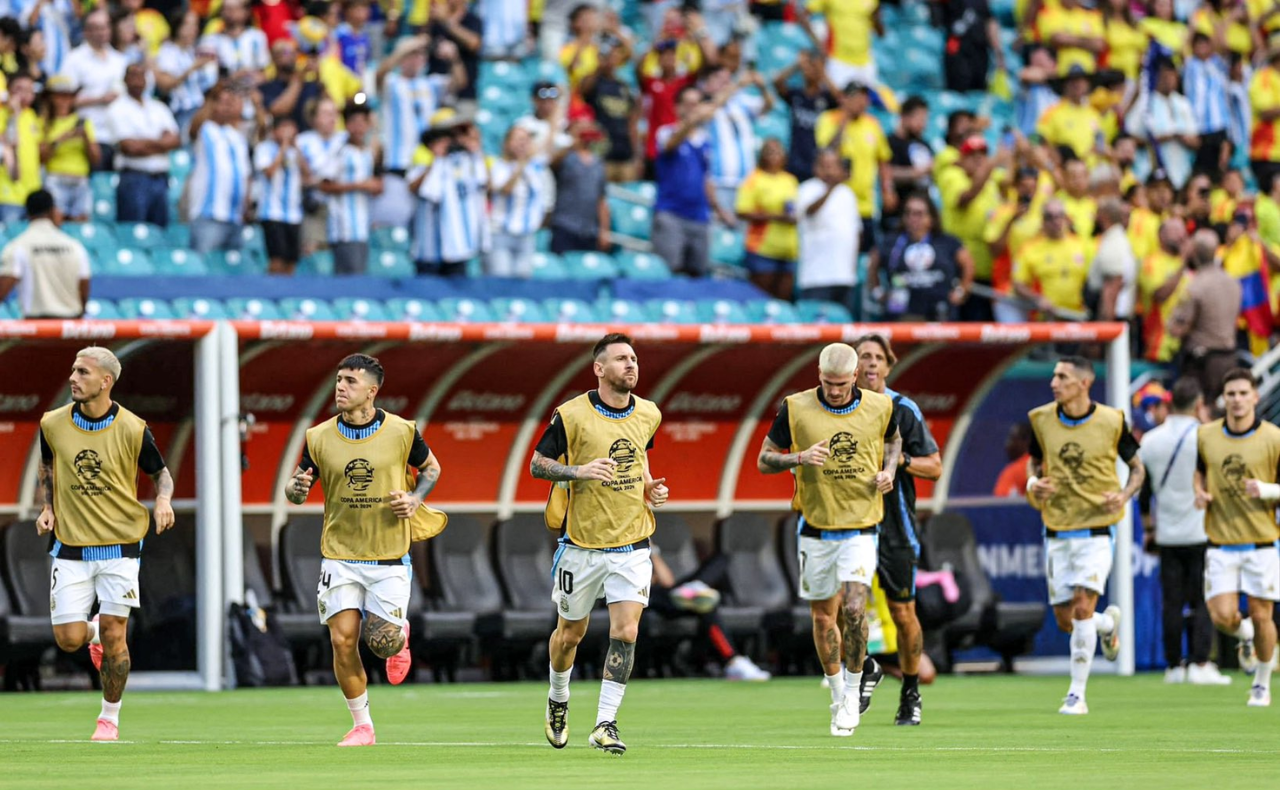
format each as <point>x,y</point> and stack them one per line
<point>987,732</point>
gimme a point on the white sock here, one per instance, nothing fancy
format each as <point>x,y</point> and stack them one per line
<point>1244,631</point>
<point>111,712</point>
<point>93,633</point>
<point>836,682</point>
<point>1084,643</point>
<point>359,708</point>
<point>560,685</point>
<point>1263,676</point>
<point>610,699</point>
<point>1104,623</point>
<point>853,681</point>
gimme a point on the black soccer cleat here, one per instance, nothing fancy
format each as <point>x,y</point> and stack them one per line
<point>557,723</point>
<point>909,708</point>
<point>605,738</point>
<point>870,679</point>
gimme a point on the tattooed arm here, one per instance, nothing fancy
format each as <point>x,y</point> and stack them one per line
<point>164,499</point>
<point>774,459</point>
<point>1137,473</point>
<point>404,503</point>
<point>544,468</point>
<point>47,521</point>
<point>892,453</point>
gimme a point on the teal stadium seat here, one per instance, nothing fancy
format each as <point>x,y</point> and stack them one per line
<point>671,311</point>
<point>179,262</point>
<point>542,241</point>
<point>95,236</point>
<point>359,310</point>
<point>178,235</point>
<point>465,310</point>
<point>645,190</point>
<point>590,266</point>
<point>569,311</point>
<point>253,309</point>
<point>721,311</point>
<point>642,266</point>
<point>235,262</point>
<point>254,242</point>
<point>319,263</point>
<point>395,239</point>
<point>771,311</point>
<point>103,185</point>
<point>104,210</point>
<point>151,309</point>
<point>412,310</point>
<point>823,313</point>
<point>200,308</point>
<point>391,263</point>
<point>307,309</point>
<point>101,309</point>
<point>622,311</point>
<point>630,219</point>
<point>180,163</point>
<point>727,246</point>
<point>140,235</point>
<point>128,263</point>
<point>520,311</point>
<point>548,266</point>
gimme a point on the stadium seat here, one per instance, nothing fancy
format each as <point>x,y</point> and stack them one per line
<point>465,310</point>
<point>672,311</point>
<point>253,309</point>
<point>101,309</point>
<point>590,266</point>
<point>200,308</point>
<point>759,585</point>
<point>646,191</point>
<point>298,628</point>
<point>642,266</point>
<point>180,262</point>
<point>24,612</point>
<point>548,266</point>
<point>254,242</point>
<point>128,263</point>
<point>318,263</point>
<point>299,559</point>
<point>95,236</point>
<point>623,311</point>
<point>522,311</point>
<point>164,634</point>
<point>411,310</point>
<point>630,219</point>
<point>180,161</point>
<point>359,310</point>
<point>675,539</point>
<point>823,313</point>
<point>569,311</point>
<point>307,310</point>
<point>178,235</point>
<point>235,262</point>
<point>104,210</point>
<point>140,235</point>
<point>151,309</point>
<point>727,246</point>
<point>721,311</point>
<point>103,185</point>
<point>391,263</point>
<point>395,239</point>
<point>771,311</point>
<point>542,241</point>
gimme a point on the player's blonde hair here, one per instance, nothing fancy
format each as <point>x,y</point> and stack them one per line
<point>104,359</point>
<point>838,359</point>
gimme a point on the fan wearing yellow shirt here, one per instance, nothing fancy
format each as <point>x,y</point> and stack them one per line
<point>694,46</point>
<point>1053,267</point>
<point>1126,41</point>
<point>19,149</point>
<point>68,148</point>
<point>1008,230</point>
<point>152,27</point>
<point>1075,196</point>
<point>581,56</point>
<point>850,24</point>
<point>1072,124</point>
<point>1227,23</point>
<point>970,195</point>
<point>1163,280</point>
<point>1146,216</point>
<point>858,137</point>
<point>1165,29</point>
<point>1078,34</point>
<point>1223,200</point>
<point>1264,101</point>
<point>766,202</point>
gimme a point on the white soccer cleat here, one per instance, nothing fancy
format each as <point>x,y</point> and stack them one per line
<point>1206,674</point>
<point>1175,675</point>
<point>846,715</point>
<point>1073,705</point>
<point>1248,656</point>
<point>836,730</point>
<point>743,668</point>
<point>1111,642</point>
<point>1259,697</point>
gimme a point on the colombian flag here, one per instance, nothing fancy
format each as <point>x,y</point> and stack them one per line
<point>1245,262</point>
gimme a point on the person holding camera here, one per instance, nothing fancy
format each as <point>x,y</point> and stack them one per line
<point>450,180</point>
<point>184,70</point>
<point>68,149</point>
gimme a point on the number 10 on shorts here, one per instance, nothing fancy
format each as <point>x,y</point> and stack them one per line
<point>564,580</point>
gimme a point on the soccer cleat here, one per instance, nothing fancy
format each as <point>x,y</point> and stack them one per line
<point>95,652</point>
<point>847,715</point>
<point>836,730</point>
<point>1248,656</point>
<point>870,679</point>
<point>360,735</point>
<point>557,723</point>
<point>106,731</point>
<point>1206,674</point>
<point>1259,697</point>
<point>605,738</point>
<point>1175,675</point>
<point>909,708</point>
<point>695,596</point>
<point>1073,705</point>
<point>1111,641</point>
<point>743,668</point>
<point>399,665</point>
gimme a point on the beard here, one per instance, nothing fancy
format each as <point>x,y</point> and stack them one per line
<point>621,384</point>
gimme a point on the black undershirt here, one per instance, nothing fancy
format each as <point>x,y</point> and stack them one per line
<point>555,442</point>
<point>418,453</point>
<point>150,461</point>
<point>1126,448</point>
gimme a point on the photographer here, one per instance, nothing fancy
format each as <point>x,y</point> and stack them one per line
<point>450,180</point>
<point>68,149</point>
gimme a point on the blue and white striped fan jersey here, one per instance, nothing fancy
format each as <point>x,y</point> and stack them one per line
<point>407,106</point>
<point>280,196</point>
<point>319,151</point>
<point>521,212</point>
<point>189,94</point>
<point>450,223</point>
<point>349,211</point>
<point>246,51</point>
<point>733,140</point>
<point>220,175</point>
<point>1205,86</point>
<point>53,24</point>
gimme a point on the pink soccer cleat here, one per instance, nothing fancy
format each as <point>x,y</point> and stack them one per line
<point>106,731</point>
<point>399,665</point>
<point>95,654</point>
<point>360,735</point>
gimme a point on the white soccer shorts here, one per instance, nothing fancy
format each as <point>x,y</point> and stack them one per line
<point>1252,571</point>
<point>382,590</point>
<point>74,584</point>
<point>825,565</point>
<point>580,577</point>
<point>1077,562</point>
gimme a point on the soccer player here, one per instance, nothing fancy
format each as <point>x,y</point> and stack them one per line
<point>1074,484</point>
<point>362,458</point>
<point>899,544</point>
<point>90,455</point>
<point>596,450</point>
<point>1237,486</point>
<point>844,444</point>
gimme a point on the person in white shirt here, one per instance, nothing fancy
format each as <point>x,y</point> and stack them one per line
<point>281,172</point>
<point>186,71</point>
<point>827,221</point>
<point>319,145</point>
<point>145,132</point>
<point>242,50</point>
<point>548,130</point>
<point>218,188</point>
<point>733,139</point>
<point>49,268</point>
<point>451,224</point>
<point>1165,117</point>
<point>349,182</point>
<point>1114,275</point>
<point>519,206</point>
<point>99,71</point>
<point>1175,530</point>
<point>52,18</point>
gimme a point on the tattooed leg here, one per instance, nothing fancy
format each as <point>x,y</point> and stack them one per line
<point>619,661</point>
<point>384,638</point>
<point>115,656</point>
<point>826,633</point>
<point>855,618</point>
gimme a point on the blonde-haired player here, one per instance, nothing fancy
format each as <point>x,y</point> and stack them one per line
<point>843,445</point>
<point>1236,485</point>
<point>90,453</point>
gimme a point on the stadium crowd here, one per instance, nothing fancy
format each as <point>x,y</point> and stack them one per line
<point>1140,151</point>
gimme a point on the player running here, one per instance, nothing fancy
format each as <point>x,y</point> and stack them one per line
<point>1236,486</point>
<point>362,457</point>
<point>90,455</point>
<point>845,446</point>
<point>1074,484</point>
<point>899,544</point>
<point>596,450</point>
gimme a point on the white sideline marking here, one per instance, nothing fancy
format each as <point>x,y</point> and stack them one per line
<point>761,747</point>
